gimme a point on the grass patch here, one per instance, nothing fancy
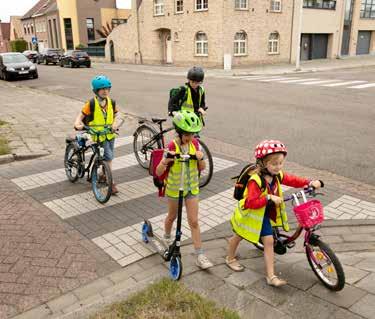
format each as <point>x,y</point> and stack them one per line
<point>166,299</point>
<point>4,147</point>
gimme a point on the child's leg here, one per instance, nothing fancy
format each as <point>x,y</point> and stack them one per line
<point>192,208</point>
<point>172,214</point>
<point>234,241</point>
<point>268,255</point>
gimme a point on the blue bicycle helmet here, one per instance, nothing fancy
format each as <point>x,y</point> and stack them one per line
<point>100,82</point>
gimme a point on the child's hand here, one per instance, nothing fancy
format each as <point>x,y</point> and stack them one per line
<point>203,112</point>
<point>276,199</point>
<point>79,127</point>
<point>316,184</point>
<point>199,155</point>
<point>170,157</point>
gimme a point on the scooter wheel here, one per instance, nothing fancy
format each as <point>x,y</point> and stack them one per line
<point>175,268</point>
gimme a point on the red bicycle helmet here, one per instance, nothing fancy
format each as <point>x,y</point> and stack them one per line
<point>267,147</point>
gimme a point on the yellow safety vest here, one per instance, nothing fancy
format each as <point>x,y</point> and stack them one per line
<point>188,105</point>
<point>98,119</point>
<point>247,223</point>
<point>191,178</point>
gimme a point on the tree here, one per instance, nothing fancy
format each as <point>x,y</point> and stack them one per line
<point>18,45</point>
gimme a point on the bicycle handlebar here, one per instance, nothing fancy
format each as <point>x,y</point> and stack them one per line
<point>309,190</point>
<point>184,157</point>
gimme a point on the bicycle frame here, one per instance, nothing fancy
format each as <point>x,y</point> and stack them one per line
<point>158,136</point>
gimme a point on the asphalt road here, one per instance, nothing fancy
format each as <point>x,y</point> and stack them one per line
<point>328,128</point>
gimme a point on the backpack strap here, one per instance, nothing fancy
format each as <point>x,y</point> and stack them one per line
<point>259,179</point>
<point>92,106</point>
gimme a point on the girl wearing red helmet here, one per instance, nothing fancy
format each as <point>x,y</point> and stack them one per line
<point>262,206</point>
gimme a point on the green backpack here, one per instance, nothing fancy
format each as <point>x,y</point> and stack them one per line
<point>176,92</point>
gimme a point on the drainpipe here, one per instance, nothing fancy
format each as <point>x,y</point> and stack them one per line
<point>138,4</point>
<point>341,30</point>
<point>298,57</point>
<point>291,33</point>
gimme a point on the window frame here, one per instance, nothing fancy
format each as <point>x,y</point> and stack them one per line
<point>364,12</point>
<point>202,4</point>
<point>204,44</point>
<point>272,5</point>
<point>239,7</point>
<point>90,30</point>
<point>271,43</point>
<point>314,4</point>
<point>177,4</point>
<point>161,5</point>
<point>237,44</point>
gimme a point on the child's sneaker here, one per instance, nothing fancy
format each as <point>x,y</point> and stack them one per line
<point>168,240</point>
<point>203,262</point>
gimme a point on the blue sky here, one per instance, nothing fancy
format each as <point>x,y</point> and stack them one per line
<point>20,7</point>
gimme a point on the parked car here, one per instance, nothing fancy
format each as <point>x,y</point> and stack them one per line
<point>50,56</point>
<point>75,58</point>
<point>16,65</point>
<point>31,55</point>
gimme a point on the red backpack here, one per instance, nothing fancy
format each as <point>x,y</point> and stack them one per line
<point>159,181</point>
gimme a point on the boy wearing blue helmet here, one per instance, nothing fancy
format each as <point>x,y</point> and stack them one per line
<point>101,110</point>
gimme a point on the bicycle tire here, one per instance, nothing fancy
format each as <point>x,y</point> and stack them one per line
<point>68,162</point>
<point>334,261</point>
<point>100,164</point>
<point>143,158</point>
<point>206,178</point>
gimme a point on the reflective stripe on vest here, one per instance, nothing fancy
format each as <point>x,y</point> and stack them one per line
<point>247,223</point>
<point>98,119</point>
<point>188,105</point>
<point>191,178</point>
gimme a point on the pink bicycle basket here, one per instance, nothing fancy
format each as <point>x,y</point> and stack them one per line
<point>309,214</point>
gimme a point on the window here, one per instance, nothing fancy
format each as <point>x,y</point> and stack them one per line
<point>275,5</point>
<point>320,4</point>
<point>368,9</point>
<point>240,43</point>
<point>32,29</point>
<point>201,44</point>
<point>68,33</point>
<point>240,4</point>
<point>116,22</point>
<point>90,29</point>
<point>179,6</point>
<point>28,29</point>
<point>158,7</point>
<point>24,29</point>
<point>273,43</point>
<point>201,5</point>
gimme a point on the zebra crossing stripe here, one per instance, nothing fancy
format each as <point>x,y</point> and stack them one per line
<point>298,80</point>
<point>276,79</point>
<point>58,175</point>
<point>125,245</point>
<point>317,82</point>
<point>257,78</point>
<point>344,83</point>
<point>362,86</point>
<point>82,203</point>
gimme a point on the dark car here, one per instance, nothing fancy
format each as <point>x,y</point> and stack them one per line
<point>31,55</point>
<point>16,65</point>
<point>49,56</point>
<point>75,58</point>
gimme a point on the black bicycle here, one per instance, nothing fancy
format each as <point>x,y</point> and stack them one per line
<point>147,138</point>
<point>98,171</point>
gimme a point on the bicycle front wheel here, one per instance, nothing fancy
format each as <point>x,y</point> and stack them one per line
<point>206,175</point>
<point>72,162</point>
<point>144,143</point>
<point>325,265</point>
<point>101,181</point>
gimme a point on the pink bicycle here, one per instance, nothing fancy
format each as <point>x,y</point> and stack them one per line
<point>320,256</point>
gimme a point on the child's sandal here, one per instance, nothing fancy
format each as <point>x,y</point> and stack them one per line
<point>276,281</point>
<point>234,264</point>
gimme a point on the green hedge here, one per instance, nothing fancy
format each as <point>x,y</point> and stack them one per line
<point>18,45</point>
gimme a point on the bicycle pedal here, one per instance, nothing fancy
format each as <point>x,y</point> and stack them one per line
<point>291,244</point>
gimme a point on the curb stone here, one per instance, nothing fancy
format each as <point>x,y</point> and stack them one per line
<point>8,158</point>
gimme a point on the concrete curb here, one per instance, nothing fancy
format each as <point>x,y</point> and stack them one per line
<point>5,159</point>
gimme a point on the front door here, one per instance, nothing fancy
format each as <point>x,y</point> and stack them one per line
<point>363,42</point>
<point>305,47</point>
<point>169,49</point>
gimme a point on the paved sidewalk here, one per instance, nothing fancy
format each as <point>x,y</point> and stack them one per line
<point>269,69</point>
<point>246,292</point>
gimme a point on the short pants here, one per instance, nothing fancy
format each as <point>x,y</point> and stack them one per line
<point>109,150</point>
<point>266,226</point>
<point>189,195</point>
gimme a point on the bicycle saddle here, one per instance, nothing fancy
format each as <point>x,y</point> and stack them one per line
<point>158,120</point>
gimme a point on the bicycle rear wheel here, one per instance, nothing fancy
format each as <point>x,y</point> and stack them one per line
<point>144,144</point>
<point>206,175</point>
<point>72,162</point>
<point>325,265</point>
<point>101,181</point>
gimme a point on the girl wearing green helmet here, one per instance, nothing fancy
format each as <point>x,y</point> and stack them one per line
<point>186,124</point>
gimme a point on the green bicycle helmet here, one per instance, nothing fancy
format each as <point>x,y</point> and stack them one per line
<point>187,122</point>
